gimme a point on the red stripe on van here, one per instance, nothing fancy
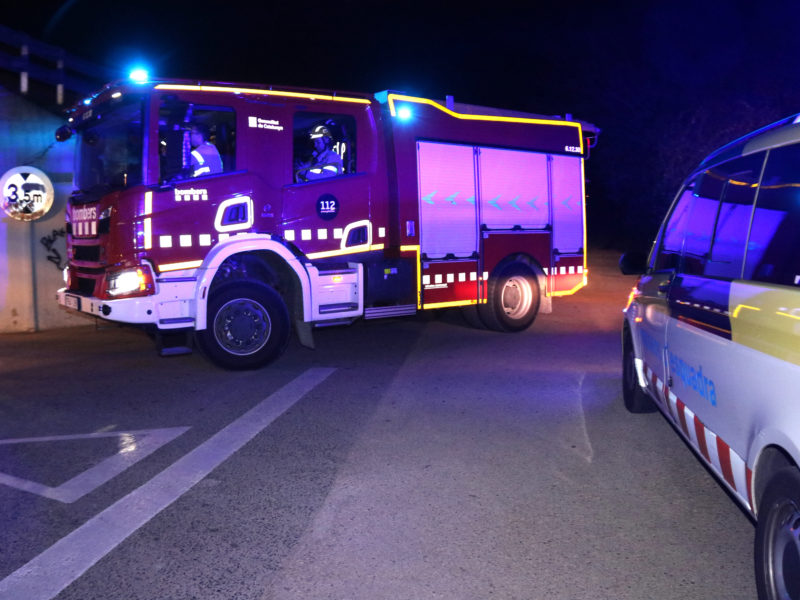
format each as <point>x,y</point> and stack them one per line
<point>724,452</point>
<point>682,416</point>
<point>700,429</point>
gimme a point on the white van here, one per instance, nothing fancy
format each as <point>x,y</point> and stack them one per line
<point>711,335</point>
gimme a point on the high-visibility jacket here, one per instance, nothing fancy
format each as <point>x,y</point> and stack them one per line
<point>325,164</point>
<point>206,160</point>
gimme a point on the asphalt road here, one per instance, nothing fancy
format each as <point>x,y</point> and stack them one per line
<point>401,459</point>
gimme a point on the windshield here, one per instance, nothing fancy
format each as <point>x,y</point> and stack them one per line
<point>109,147</point>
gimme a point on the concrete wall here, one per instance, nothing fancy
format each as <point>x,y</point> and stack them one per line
<point>33,254</point>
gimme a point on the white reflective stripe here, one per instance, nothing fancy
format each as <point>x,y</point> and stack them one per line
<point>572,270</point>
<point>165,241</point>
<point>381,231</point>
<point>305,234</point>
<point>689,416</point>
<point>322,234</point>
<point>486,274</point>
<point>546,271</point>
<point>473,276</point>
<point>711,446</point>
<point>202,170</point>
<point>450,278</point>
<point>580,269</point>
<point>289,235</point>
<point>204,239</point>
<point>437,278</point>
<point>198,157</point>
<point>148,233</point>
<point>185,241</point>
<point>462,277</point>
<point>337,233</point>
<point>426,280</point>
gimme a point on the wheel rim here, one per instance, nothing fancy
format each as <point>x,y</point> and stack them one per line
<point>242,326</point>
<point>517,297</point>
<point>784,553</point>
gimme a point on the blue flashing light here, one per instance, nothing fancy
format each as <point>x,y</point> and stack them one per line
<point>87,101</point>
<point>404,113</point>
<point>139,75</point>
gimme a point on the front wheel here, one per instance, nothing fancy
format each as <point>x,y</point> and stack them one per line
<point>248,326</point>
<point>636,401</point>
<point>777,549</point>
<point>513,298</point>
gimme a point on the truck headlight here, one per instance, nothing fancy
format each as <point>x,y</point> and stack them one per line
<point>135,281</point>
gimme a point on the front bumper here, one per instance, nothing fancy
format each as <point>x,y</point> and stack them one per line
<point>173,306</point>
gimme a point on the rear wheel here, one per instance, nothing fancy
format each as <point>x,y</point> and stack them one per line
<point>248,326</point>
<point>513,298</point>
<point>636,401</point>
<point>777,549</point>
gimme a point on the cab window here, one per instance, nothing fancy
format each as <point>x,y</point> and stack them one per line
<point>323,146</point>
<point>195,140</point>
<point>773,253</point>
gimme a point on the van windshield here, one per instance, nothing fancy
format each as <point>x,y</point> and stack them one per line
<point>109,146</point>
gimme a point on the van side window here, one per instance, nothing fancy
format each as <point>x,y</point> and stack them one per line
<point>668,256</point>
<point>700,224</point>
<point>773,252</point>
<point>733,220</point>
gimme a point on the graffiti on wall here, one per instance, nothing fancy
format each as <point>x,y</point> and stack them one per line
<point>53,254</point>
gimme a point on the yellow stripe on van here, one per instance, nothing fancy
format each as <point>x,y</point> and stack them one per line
<point>766,318</point>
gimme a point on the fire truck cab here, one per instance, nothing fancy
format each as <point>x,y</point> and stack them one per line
<point>234,213</point>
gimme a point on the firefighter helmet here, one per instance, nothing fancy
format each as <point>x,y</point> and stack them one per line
<point>320,131</point>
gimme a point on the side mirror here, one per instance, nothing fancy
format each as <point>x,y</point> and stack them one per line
<point>63,133</point>
<point>633,263</point>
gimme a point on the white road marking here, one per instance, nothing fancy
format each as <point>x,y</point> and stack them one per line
<point>133,447</point>
<point>48,574</point>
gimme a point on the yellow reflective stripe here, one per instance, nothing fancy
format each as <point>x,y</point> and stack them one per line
<point>241,90</point>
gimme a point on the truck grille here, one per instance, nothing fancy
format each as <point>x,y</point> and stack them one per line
<point>86,253</point>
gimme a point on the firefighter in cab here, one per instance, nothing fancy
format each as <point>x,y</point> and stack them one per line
<point>324,162</point>
<point>205,156</point>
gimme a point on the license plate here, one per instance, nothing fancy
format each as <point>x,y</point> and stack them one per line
<point>73,302</point>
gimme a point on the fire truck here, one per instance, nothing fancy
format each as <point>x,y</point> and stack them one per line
<point>228,215</point>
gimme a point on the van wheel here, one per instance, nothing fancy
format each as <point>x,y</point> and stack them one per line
<point>636,401</point>
<point>248,326</point>
<point>513,299</point>
<point>777,549</point>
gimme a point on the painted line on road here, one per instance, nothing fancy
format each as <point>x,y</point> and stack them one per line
<point>134,446</point>
<point>48,574</point>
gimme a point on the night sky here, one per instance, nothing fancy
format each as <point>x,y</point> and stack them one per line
<point>666,81</point>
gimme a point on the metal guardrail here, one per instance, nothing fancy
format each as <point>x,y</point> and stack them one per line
<point>51,65</point>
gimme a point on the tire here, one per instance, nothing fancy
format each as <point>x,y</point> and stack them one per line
<point>513,298</point>
<point>777,548</point>
<point>471,316</point>
<point>248,326</point>
<point>636,401</point>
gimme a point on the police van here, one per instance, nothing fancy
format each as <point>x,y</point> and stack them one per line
<point>711,334</point>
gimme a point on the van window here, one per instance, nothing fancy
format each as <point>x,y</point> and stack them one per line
<point>699,227</point>
<point>672,238</point>
<point>773,252</point>
<point>733,220</point>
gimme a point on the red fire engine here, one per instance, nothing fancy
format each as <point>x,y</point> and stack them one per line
<point>233,213</point>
